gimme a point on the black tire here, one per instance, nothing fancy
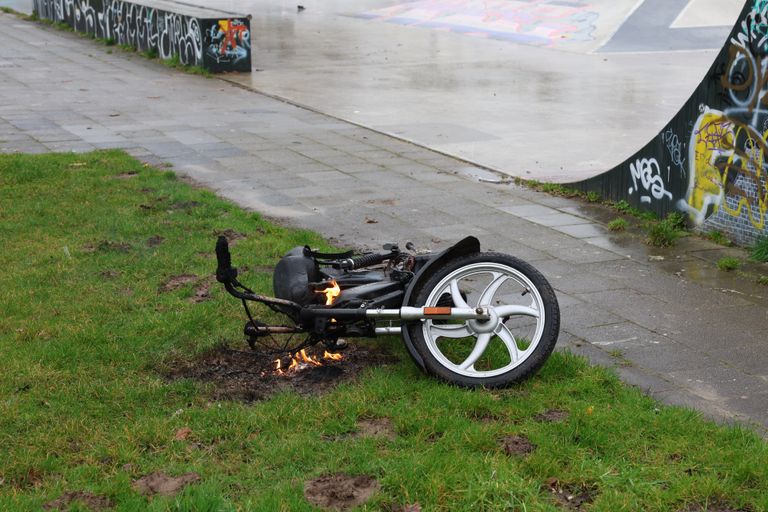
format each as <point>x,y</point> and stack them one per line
<point>511,285</point>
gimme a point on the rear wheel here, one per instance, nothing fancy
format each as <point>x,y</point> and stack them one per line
<point>509,347</point>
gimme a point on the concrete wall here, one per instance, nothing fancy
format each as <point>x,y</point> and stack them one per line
<point>214,43</point>
<point>710,160</point>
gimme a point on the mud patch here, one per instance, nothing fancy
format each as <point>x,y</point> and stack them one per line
<point>162,484</point>
<point>231,235</point>
<point>176,282</point>
<point>202,293</point>
<point>154,241</point>
<point>109,274</point>
<point>125,175</point>
<point>570,496</point>
<point>107,246</point>
<point>185,205</point>
<point>376,427</point>
<point>340,491</point>
<point>552,416</point>
<point>89,500</point>
<point>250,376</point>
<point>516,446</point>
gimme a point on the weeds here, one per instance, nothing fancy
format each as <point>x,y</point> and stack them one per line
<point>759,251</point>
<point>593,197</point>
<point>728,264</point>
<point>762,280</point>
<point>666,232</point>
<point>618,224</point>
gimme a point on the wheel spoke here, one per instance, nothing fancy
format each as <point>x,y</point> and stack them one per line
<point>458,300</point>
<point>480,346</point>
<point>491,289</point>
<point>510,310</point>
<point>509,340</point>
<point>449,330</point>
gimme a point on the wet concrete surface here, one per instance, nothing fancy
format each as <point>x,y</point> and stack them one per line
<point>531,89</point>
<point>686,333</point>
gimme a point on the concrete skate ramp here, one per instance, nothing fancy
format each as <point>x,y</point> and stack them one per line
<point>709,161</point>
<point>526,87</point>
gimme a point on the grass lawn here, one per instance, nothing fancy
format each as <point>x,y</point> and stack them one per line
<point>88,321</point>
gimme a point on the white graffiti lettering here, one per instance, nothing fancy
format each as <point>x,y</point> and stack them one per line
<point>647,171</point>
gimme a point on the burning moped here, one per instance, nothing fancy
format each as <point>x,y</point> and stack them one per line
<point>468,317</point>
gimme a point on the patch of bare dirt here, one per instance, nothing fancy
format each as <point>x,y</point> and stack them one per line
<point>155,240</point>
<point>570,496</point>
<point>126,175</point>
<point>185,205</point>
<point>552,416</point>
<point>107,246</point>
<point>176,282</point>
<point>109,274</point>
<point>340,491</point>
<point>202,293</point>
<point>376,427</point>
<point>162,484</point>
<point>250,376</point>
<point>88,499</point>
<point>516,445</point>
<point>231,235</point>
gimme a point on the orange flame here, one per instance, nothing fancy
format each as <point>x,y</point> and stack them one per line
<point>332,357</point>
<point>331,293</point>
<point>301,360</point>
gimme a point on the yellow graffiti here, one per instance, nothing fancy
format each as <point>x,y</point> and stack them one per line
<point>748,162</point>
<point>712,139</point>
<point>723,149</point>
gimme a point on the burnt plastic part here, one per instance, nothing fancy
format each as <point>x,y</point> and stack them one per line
<point>468,245</point>
<point>292,276</point>
<point>224,271</point>
<point>370,291</point>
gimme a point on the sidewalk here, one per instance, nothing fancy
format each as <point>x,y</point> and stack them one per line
<point>682,342</point>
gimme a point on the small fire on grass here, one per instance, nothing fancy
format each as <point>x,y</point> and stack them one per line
<point>301,360</point>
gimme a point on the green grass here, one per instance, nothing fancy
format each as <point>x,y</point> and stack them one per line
<point>759,251</point>
<point>84,329</point>
<point>618,224</point>
<point>728,263</point>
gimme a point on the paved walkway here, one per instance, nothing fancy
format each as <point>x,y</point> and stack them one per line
<point>683,342</point>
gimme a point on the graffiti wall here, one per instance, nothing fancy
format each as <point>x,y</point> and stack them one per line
<point>711,160</point>
<point>212,43</point>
